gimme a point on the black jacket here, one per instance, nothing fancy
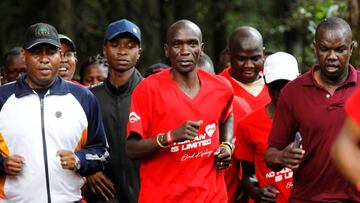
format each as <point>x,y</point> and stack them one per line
<point>115,107</point>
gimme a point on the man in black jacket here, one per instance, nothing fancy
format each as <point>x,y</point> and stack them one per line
<point>119,182</point>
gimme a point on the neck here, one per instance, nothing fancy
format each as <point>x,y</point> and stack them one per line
<point>118,79</point>
<point>329,84</point>
<point>189,83</point>
<point>239,78</point>
<point>188,80</point>
<point>270,110</point>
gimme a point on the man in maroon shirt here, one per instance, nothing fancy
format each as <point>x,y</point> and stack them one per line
<point>313,106</point>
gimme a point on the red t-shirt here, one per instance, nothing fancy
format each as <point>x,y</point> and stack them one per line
<point>234,173</point>
<point>255,102</point>
<point>306,107</point>
<point>185,172</point>
<point>352,106</point>
<point>252,135</point>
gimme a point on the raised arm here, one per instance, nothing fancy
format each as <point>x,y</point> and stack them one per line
<point>138,147</point>
<point>346,151</point>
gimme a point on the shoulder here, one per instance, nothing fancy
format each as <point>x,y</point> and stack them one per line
<point>6,91</point>
<point>155,81</point>
<point>79,92</point>
<point>97,87</point>
<point>215,81</point>
<point>254,117</point>
<point>295,85</point>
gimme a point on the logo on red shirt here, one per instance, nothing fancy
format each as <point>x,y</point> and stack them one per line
<point>133,117</point>
<point>210,129</point>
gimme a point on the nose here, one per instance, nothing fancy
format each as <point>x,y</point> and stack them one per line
<point>63,58</point>
<point>121,50</point>
<point>44,58</point>
<point>249,63</point>
<point>332,55</point>
<point>184,49</point>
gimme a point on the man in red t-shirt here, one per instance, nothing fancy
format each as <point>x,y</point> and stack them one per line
<point>346,148</point>
<point>253,132</point>
<point>312,106</point>
<point>180,126</point>
<point>246,53</point>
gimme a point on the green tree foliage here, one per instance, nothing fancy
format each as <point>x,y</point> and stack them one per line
<point>286,25</point>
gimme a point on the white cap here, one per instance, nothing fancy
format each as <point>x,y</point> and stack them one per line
<point>280,66</point>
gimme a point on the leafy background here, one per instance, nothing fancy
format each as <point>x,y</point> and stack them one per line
<point>285,25</point>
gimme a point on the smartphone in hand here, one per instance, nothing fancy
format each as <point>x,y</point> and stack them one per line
<point>298,140</point>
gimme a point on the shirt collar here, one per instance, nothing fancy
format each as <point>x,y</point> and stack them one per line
<point>59,87</point>
<point>309,79</point>
<point>126,88</point>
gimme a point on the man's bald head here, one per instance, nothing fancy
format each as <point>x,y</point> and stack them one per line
<point>245,37</point>
<point>334,24</point>
<point>181,24</point>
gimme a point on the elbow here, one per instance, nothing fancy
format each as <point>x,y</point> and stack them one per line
<point>270,160</point>
<point>129,148</point>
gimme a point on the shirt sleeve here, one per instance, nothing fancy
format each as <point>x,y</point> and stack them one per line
<point>352,106</point>
<point>139,111</point>
<point>94,155</point>
<point>244,147</point>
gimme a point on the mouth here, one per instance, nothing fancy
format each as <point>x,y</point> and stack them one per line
<point>45,70</point>
<point>122,62</point>
<point>248,71</point>
<point>63,69</point>
<point>185,63</point>
<point>332,67</point>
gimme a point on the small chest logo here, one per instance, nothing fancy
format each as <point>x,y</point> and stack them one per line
<point>58,114</point>
<point>133,117</point>
<point>210,129</point>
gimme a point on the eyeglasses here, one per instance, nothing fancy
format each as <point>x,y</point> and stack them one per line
<point>69,55</point>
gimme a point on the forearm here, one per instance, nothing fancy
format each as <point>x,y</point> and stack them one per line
<point>273,159</point>
<point>250,187</point>
<point>347,163</point>
<point>138,148</point>
<point>346,152</point>
<point>92,159</point>
<point>227,130</point>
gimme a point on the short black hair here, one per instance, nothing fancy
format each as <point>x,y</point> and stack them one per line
<point>12,52</point>
<point>333,23</point>
<point>97,59</point>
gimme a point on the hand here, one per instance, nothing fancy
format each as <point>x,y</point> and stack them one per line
<point>101,185</point>
<point>13,164</point>
<point>291,157</point>
<point>223,157</point>
<point>187,131</point>
<point>265,194</point>
<point>67,159</point>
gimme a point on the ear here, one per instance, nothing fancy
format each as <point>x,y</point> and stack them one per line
<point>104,51</point>
<point>314,47</point>
<point>202,48</point>
<point>139,54</point>
<point>353,45</point>
<point>22,53</point>
<point>166,47</point>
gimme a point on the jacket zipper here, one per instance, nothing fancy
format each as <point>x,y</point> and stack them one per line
<point>45,149</point>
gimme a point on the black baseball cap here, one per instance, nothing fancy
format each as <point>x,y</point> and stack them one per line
<point>64,38</point>
<point>41,33</point>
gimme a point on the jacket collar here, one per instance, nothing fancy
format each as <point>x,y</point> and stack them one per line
<point>59,87</point>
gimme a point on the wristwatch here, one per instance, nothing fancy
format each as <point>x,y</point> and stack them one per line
<point>77,163</point>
